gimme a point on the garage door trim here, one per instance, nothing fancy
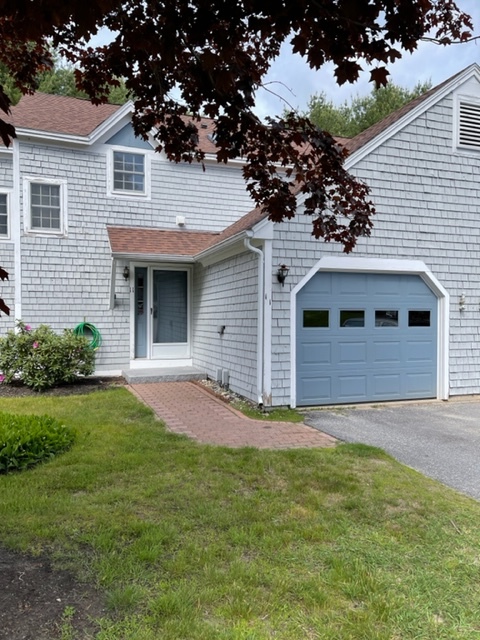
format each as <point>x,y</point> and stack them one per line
<point>378,265</point>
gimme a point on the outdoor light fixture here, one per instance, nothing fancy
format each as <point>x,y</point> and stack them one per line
<point>282,273</point>
<point>126,272</point>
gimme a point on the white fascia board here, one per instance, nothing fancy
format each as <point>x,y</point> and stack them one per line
<point>229,247</point>
<point>109,123</point>
<point>264,230</point>
<point>473,71</point>
<point>49,136</point>
<point>153,257</point>
<point>52,136</point>
<point>6,151</point>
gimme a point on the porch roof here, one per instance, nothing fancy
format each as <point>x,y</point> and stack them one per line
<point>142,242</point>
<point>174,244</point>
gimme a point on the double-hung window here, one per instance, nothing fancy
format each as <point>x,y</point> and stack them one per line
<point>129,173</point>
<point>45,205</point>
<point>4,230</point>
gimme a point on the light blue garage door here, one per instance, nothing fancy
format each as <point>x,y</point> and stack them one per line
<point>365,337</point>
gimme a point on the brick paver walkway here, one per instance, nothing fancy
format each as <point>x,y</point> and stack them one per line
<point>189,409</point>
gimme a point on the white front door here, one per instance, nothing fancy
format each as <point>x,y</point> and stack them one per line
<point>162,313</point>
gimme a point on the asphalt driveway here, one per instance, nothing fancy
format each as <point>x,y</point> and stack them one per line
<point>439,439</point>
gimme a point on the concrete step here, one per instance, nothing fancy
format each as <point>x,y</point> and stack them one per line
<point>163,374</point>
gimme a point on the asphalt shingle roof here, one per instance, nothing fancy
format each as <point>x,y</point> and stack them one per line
<point>60,114</point>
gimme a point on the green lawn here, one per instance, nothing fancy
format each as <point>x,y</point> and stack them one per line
<point>193,542</point>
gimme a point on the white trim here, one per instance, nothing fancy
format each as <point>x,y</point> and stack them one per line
<point>473,71</point>
<point>267,316</point>
<point>260,315</point>
<point>130,195</point>
<point>8,193</point>
<point>113,268</point>
<point>149,360</point>
<point>103,127</point>
<point>144,363</point>
<point>17,230</point>
<point>473,100</point>
<point>380,265</point>
<point>27,210</point>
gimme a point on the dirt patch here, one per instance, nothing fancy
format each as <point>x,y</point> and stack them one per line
<point>40,603</point>
<point>82,386</point>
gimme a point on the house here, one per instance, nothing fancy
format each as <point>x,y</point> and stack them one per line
<point>174,267</point>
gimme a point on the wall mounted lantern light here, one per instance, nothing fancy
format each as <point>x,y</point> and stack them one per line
<point>282,273</point>
<point>126,272</point>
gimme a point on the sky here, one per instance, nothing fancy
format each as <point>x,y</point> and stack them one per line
<point>291,77</point>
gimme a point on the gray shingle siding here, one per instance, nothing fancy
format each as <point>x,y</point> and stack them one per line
<point>428,208</point>
<point>226,294</point>
<point>67,279</point>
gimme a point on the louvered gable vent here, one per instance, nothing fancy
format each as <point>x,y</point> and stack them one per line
<point>469,133</point>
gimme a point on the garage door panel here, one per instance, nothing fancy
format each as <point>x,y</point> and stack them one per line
<point>419,351</point>
<point>346,287</point>
<point>317,390</point>
<point>391,355</point>
<point>418,383</point>
<point>387,385</point>
<point>387,352</point>
<point>352,352</point>
<point>352,387</point>
<point>313,353</point>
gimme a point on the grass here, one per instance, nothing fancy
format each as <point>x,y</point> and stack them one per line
<point>192,542</point>
<point>280,414</point>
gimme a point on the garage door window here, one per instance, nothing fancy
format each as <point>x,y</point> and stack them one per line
<point>418,318</point>
<point>316,318</point>
<point>352,318</point>
<point>386,318</point>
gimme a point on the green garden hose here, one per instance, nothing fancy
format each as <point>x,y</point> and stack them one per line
<point>89,331</point>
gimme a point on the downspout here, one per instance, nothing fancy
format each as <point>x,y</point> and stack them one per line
<point>259,252</point>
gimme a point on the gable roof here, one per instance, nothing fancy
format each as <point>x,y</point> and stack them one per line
<point>395,118</point>
<point>49,113</point>
<point>60,114</point>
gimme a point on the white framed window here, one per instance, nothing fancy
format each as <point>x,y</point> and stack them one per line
<point>128,173</point>
<point>4,215</point>
<point>45,206</point>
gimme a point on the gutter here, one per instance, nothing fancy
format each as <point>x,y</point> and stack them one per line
<point>260,323</point>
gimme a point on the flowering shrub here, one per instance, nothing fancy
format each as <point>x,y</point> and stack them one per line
<point>41,358</point>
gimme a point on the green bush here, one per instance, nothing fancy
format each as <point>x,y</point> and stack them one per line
<point>27,440</point>
<point>41,358</point>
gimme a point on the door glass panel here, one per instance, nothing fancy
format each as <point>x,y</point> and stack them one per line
<point>418,318</point>
<point>316,318</point>
<point>352,318</point>
<point>170,323</point>
<point>386,318</point>
<point>140,314</point>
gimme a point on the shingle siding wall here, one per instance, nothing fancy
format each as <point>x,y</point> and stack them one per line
<point>428,208</point>
<point>6,172</point>
<point>7,287</point>
<point>226,294</point>
<point>67,279</point>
